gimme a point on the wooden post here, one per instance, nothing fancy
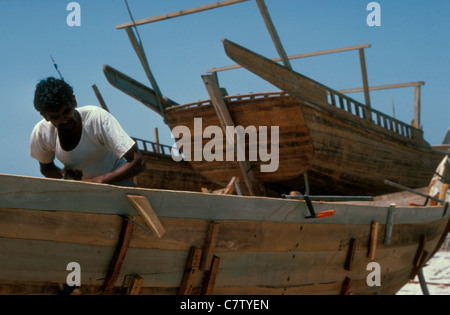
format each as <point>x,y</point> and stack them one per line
<point>225,119</point>
<point>417,106</point>
<point>99,97</point>
<point>210,277</point>
<point>389,225</point>
<point>119,256</point>
<point>273,33</point>
<point>157,140</point>
<point>373,240</point>
<point>345,290</point>
<point>142,57</point>
<point>209,246</point>
<point>190,271</point>
<point>362,59</point>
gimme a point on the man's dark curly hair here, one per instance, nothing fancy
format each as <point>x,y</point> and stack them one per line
<point>51,94</point>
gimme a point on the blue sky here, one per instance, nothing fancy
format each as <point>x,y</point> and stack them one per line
<point>412,44</point>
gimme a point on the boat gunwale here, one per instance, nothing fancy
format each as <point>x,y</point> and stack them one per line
<point>54,195</point>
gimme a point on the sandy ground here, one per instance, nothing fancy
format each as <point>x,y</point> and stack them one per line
<point>437,275</point>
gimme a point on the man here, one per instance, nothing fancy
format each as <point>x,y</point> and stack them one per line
<point>88,141</point>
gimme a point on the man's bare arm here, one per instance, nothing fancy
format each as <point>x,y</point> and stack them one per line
<point>134,165</point>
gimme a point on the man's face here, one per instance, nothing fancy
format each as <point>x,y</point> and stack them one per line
<point>65,119</point>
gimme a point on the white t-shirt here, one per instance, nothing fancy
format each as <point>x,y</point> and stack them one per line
<point>101,148</point>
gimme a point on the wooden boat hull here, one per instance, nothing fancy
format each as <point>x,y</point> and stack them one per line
<point>341,153</point>
<point>162,172</point>
<point>295,145</point>
<point>265,246</point>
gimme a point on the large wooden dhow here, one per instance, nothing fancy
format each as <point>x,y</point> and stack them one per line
<point>141,241</point>
<point>344,146</point>
<point>327,142</point>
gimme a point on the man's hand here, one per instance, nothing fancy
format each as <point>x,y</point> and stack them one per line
<point>68,173</point>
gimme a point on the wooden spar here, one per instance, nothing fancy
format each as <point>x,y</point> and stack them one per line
<point>414,191</point>
<point>362,59</point>
<point>142,57</point>
<point>225,119</point>
<point>190,272</point>
<point>180,13</point>
<point>100,98</point>
<point>298,56</point>
<point>273,33</point>
<point>417,106</point>
<point>383,87</point>
<point>135,89</point>
<point>289,81</point>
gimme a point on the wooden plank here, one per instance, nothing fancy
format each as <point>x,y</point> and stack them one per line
<point>417,113</point>
<point>345,290</point>
<point>135,89</point>
<point>119,256</point>
<point>273,33</point>
<point>364,77</point>
<point>226,121</point>
<point>181,234</point>
<point>297,85</point>
<point>53,195</point>
<point>139,49</point>
<point>297,56</point>
<point>25,260</point>
<point>190,271</point>
<point>209,279</point>
<point>373,240</point>
<point>180,13</point>
<point>210,245</point>
<point>382,87</point>
<point>145,209</point>
<point>100,98</point>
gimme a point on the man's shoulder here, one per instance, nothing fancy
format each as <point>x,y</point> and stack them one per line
<point>90,109</point>
<point>92,112</point>
<point>43,131</point>
<point>44,126</point>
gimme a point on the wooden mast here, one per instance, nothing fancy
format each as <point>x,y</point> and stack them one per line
<point>298,56</point>
<point>142,57</point>
<point>225,119</point>
<point>362,59</point>
<point>417,107</point>
<point>273,33</point>
<point>100,98</point>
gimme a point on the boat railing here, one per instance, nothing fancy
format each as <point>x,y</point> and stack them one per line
<point>232,98</point>
<point>152,147</point>
<point>365,112</point>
